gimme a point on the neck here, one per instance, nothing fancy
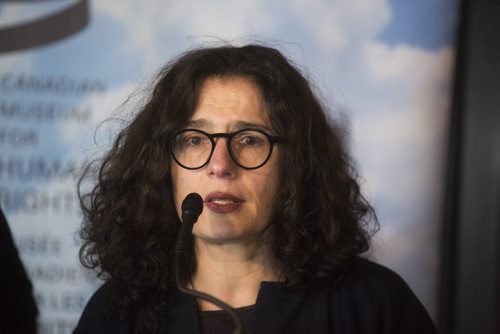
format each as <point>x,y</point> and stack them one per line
<point>232,273</point>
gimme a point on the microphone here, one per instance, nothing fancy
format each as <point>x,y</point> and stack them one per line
<point>191,207</point>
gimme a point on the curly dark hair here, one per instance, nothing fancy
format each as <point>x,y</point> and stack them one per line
<point>320,219</point>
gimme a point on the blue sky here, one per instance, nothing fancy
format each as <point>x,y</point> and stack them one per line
<point>428,24</point>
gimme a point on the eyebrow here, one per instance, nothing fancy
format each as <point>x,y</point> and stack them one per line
<point>198,123</point>
<point>242,125</point>
<point>204,124</point>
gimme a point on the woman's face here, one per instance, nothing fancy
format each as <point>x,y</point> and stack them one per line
<point>237,202</point>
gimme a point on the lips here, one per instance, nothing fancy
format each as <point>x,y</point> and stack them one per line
<point>220,202</point>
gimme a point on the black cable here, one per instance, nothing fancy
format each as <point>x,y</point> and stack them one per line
<point>239,329</point>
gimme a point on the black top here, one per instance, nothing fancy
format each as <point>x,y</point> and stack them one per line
<point>369,299</point>
<point>220,322</point>
<point>18,310</point>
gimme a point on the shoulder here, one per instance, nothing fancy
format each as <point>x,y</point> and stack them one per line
<point>381,298</point>
<point>368,299</point>
<point>98,303</point>
<point>96,315</point>
<point>376,277</point>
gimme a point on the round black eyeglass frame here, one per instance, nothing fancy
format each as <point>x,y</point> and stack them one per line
<point>229,135</point>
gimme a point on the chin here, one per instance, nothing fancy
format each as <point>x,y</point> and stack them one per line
<point>221,236</point>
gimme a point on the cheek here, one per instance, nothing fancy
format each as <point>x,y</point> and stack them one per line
<point>270,195</point>
<point>274,174</point>
<point>267,190</point>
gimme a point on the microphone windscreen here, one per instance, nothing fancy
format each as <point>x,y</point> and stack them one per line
<point>193,203</point>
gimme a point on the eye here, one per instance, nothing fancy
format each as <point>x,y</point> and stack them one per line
<point>194,140</point>
<point>250,140</point>
<point>191,139</point>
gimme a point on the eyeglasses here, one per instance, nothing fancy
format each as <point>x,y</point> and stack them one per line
<point>249,148</point>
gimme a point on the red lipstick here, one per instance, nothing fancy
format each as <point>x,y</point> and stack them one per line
<point>220,202</point>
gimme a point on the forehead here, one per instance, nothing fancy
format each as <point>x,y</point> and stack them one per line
<point>230,103</point>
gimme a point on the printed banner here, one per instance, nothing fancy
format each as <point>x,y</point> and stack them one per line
<point>67,67</point>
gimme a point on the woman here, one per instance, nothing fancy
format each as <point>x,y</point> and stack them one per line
<point>283,221</point>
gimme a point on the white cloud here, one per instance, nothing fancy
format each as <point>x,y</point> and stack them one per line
<point>336,25</point>
<point>332,25</point>
<point>402,131</point>
<point>407,63</point>
<point>157,23</point>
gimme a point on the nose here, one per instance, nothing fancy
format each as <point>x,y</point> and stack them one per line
<point>221,164</point>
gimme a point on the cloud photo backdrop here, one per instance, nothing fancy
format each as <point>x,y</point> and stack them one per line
<point>383,68</point>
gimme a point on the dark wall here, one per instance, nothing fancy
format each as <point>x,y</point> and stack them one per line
<point>470,286</point>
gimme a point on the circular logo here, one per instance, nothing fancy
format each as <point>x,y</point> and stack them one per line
<point>46,29</point>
